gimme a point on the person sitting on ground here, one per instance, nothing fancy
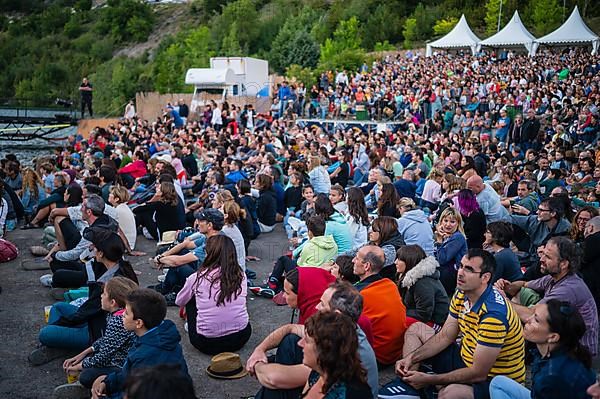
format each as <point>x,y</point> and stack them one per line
<point>118,198</point>
<point>335,224</point>
<point>382,304</point>
<point>450,246</point>
<point>284,377</point>
<point>422,292</point>
<point>414,226</point>
<point>548,222</point>
<point>266,204</point>
<point>163,212</point>
<point>215,300</point>
<point>302,288</point>
<point>473,218</point>
<point>527,197</point>
<point>492,342</point>
<point>330,347</point>
<point>357,217</point>
<point>53,200</point>
<point>109,352</point>
<point>488,199</point>
<point>75,328</point>
<point>293,194</point>
<point>582,217</point>
<point>559,262</point>
<point>562,366</point>
<point>497,238</point>
<point>33,192</point>
<point>158,341</point>
<point>590,262</point>
<point>337,196</point>
<point>183,259</point>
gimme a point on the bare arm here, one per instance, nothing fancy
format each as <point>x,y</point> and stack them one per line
<point>270,342</point>
<point>279,376</point>
<point>438,342</point>
<point>177,260</point>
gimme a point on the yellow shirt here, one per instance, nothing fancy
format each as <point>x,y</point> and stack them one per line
<point>491,321</point>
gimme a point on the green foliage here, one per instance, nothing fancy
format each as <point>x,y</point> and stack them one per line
<point>294,44</point>
<point>385,46</point>
<point>343,51</point>
<point>492,9</point>
<point>546,16</point>
<point>379,28</point>
<point>444,26</point>
<point>409,32</point>
<point>187,50</point>
<point>235,30</point>
<point>126,20</point>
<point>299,74</point>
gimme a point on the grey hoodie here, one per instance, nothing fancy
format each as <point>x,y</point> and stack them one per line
<point>416,229</point>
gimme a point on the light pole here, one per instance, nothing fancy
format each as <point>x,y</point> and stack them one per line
<point>500,16</point>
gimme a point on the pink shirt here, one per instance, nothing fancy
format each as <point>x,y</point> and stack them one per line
<point>213,321</point>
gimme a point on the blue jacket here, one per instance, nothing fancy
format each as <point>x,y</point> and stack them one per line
<point>284,93</point>
<point>236,176</point>
<point>451,250</point>
<point>159,345</point>
<point>405,188</point>
<point>415,229</point>
<point>336,226</point>
<point>559,376</point>
<point>29,202</point>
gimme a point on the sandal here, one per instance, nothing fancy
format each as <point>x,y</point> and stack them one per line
<point>30,226</point>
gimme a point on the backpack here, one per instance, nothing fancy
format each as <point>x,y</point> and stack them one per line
<point>8,251</point>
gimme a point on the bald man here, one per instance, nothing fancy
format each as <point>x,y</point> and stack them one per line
<point>382,304</point>
<point>488,199</point>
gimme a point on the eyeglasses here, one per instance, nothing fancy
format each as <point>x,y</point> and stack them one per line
<point>469,269</point>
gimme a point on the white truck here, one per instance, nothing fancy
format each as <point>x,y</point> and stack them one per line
<point>229,77</point>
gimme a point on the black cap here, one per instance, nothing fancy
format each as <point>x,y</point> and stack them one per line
<point>213,216</point>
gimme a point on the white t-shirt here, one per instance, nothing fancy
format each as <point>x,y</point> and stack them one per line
<point>232,231</point>
<point>126,221</point>
<point>3,213</point>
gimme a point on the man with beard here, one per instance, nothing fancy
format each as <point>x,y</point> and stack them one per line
<point>559,261</point>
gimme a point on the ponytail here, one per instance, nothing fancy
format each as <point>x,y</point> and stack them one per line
<point>565,320</point>
<point>127,270</point>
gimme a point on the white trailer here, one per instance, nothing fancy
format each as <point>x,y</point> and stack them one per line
<point>251,75</point>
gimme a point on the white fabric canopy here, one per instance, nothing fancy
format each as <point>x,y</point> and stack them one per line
<point>513,34</point>
<point>573,31</point>
<point>460,36</point>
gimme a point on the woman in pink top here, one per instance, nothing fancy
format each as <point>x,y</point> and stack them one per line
<point>215,300</point>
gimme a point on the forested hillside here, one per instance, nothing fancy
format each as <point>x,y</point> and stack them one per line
<point>47,46</point>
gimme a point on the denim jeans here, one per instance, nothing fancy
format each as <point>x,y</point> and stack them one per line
<point>77,338</point>
<point>503,387</point>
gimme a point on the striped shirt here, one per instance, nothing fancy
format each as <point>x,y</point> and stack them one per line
<point>491,321</point>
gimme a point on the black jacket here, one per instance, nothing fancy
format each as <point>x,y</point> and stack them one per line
<point>590,264</point>
<point>531,128</point>
<point>475,229</point>
<point>266,207</point>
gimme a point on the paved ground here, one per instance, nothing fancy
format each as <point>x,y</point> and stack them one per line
<point>22,315</point>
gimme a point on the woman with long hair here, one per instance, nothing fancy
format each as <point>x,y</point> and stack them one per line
<point>357,217</point>
<point>473,218</point>
<point>388,199</point>
<point>319,178</point>
<point>32,193</point>
<point>582,216</point>
<point>45,206</point>
<point>341,174</point>
<point>164,212</point>
<point>118,198</point>
<point>233,215</point>
<point>419,282</point>
<point>384,233</point>
<point>215,300</point>
<point>450,247</point>
<point>432,191</point>
<point>467,167</point>
<point>266,204</point>
<point>330,347</point>
<point>75,328</point>
<point>562,367</point>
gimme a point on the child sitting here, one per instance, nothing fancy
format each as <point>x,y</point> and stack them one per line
<point>157,342</point>
<point>109,352</point>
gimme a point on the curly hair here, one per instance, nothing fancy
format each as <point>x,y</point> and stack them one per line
<point>575,232</point>
<point>336,344</point>
<point>31,182</point>
<point>221,256</point>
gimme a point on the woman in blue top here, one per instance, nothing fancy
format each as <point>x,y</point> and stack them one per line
<point>450,247</point>
<point>562,366</point>
<point>33,192</point>
<point>335,223</point>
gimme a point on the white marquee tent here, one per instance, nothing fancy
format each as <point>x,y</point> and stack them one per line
<point>573,31</point>
<point>514,34</point>
<point>461,36</point>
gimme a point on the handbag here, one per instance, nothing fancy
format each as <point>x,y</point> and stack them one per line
<point>8,251</point>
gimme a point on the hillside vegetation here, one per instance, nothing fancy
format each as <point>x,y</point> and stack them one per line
<point>126,46</point>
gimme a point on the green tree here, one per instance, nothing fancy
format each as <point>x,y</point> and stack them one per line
<point>294,44</point>
<point>409,32</point>
<point>300,74</point>
<point>343,51</point>
<point>492,10</point>
<point>546,16</point>
<point>445,25</point>
<point>237,21</point>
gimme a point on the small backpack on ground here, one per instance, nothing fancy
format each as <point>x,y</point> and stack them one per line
<point>8,251</point>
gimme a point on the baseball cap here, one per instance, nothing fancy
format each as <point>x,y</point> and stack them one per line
<point>213,216</point>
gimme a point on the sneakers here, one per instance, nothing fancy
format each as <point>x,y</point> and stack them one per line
<point>46,280</point>
<point>71,391</point>
<point>250,274</point>
<point>170,298</point>
<point>263,292</point>
<point>397,389</point>
<point>44,354</point>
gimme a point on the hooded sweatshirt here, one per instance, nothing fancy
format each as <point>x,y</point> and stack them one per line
<point>312,282</point>
<point>415,229</point>
<point>160,345</point>
<point>336,226</point>
<point>318,250</point>
<point>423,294</point>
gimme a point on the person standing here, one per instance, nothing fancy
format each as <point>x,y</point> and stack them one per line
<point>86,90</point>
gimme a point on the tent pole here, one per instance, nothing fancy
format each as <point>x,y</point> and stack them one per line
<point>499,16</point>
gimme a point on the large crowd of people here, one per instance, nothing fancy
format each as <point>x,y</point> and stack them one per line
<point>459,248</point>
